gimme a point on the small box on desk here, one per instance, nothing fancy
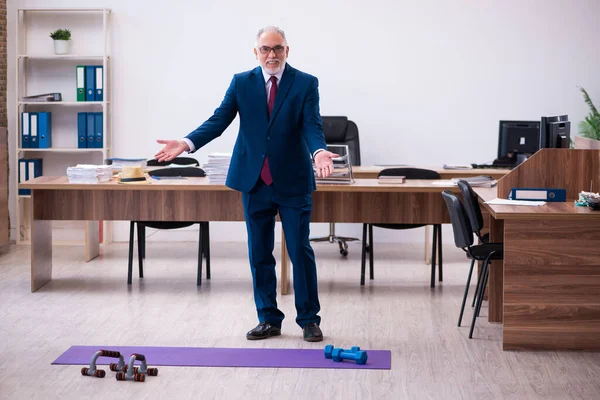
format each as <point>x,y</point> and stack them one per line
<point>391,179</point>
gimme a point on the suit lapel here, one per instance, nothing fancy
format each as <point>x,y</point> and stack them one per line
<point>260,91</point>
<point>282,90</point>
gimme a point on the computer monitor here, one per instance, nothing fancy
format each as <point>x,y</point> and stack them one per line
<point>517,140</point>
<point>555,132</point>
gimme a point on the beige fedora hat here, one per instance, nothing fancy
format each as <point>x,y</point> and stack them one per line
<point>133,174</point>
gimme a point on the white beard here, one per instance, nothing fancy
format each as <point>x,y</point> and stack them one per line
<point>272,71</point>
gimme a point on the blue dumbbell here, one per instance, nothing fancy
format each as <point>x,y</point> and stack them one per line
<point>329,350</point>
<point>339,354</point>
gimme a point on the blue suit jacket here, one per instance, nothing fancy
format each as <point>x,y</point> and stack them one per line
<point>289,138</point>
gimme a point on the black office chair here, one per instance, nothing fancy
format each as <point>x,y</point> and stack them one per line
<point>471,204</point>
<point>204,234</point>
<point>184,161</point>
<point>340,130</point>
<point>463,239</point>
<point>409,173</point>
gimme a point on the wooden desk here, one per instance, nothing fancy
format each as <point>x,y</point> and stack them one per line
<point>547,290</point>
<point>194,199</point>
<point>370,172</point>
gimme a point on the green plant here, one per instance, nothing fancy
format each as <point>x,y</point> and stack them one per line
<point>61,34</point>
<point>590,127</point>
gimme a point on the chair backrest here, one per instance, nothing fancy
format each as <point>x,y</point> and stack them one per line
<point>178,171</point>
<point>471,205</point>
<point>410,173</point>
<point>340,130</point>
<point>463,234</point>
<point>176,161</point>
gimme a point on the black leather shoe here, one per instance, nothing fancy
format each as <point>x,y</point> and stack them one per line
<point>312,332</point>
<point>262,331</point>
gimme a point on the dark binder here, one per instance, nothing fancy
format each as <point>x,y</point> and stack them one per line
<point>33,131</point>
<point>99,92</point>
<point>25,130</point>
<point>90,130</point>
<point>90,82</point>
<point>99,130</point>
<point>45,130</point>
<point>82,130</point>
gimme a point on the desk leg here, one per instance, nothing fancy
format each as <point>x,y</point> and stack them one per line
<point>496,280</point>
<point>92,240</point>
<point>41,253</point>
<point>427,245</point>
<point>284,266</point>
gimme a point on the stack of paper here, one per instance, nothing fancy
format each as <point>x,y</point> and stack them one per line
<point>85,173</point>
<point>457,166</point>
<point>506,202</point>
<point>217,167</point>
<point>478,181</point>
<point>118,163</point>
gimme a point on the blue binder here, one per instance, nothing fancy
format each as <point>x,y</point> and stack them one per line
<point>538,194</point>
<point>34,168</point>
<point>82,130</point>
<point>45,130</point>
<point>99,92</point>
<point>29,168</point>
<point>90,129</point>
<point>23,177</point>
<point>90,82</point>
<point>33,130</point>
<point>99,130</point>
<point>25,130</point>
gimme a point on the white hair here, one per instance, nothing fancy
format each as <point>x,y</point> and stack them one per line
<point>271,28</point>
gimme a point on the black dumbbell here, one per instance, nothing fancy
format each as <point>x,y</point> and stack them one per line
<point>339,354</point>
<point>329,350</point>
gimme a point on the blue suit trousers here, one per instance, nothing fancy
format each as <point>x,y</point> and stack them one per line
<point>261,206</point>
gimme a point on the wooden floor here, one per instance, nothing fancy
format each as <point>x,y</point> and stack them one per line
<point>90,304</point>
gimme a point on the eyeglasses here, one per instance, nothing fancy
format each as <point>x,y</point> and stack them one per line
<point>266,49</point>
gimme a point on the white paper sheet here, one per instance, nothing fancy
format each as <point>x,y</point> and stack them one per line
<point>506,202</point>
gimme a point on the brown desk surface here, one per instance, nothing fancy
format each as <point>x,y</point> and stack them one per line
<point>370,172</point>
<point>548,210</point>
<point>200,184</point>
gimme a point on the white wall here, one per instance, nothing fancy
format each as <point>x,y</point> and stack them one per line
<point>425,81</point>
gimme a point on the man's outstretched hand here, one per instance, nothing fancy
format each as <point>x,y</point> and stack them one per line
<point>172,149</point>
<point>324,163</point>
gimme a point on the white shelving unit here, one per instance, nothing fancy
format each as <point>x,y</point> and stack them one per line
<point>39,70</point>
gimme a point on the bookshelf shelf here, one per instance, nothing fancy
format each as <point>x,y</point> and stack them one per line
<point>64,150</point>
<point>62,103</point>
<point>62,57</point>
<point>63,10</point>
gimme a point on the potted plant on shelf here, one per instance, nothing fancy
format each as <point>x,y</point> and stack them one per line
<point>61,40</point>
<point>589,129</point>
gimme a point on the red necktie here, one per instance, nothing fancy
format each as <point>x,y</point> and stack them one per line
<point>265,173</point>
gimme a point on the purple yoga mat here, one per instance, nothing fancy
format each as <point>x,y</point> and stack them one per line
<point>224,357</point>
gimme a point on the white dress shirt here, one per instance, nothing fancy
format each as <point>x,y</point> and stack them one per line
<point>268,84</point>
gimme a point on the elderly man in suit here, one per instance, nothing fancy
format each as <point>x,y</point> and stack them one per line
<point>280,134</point>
